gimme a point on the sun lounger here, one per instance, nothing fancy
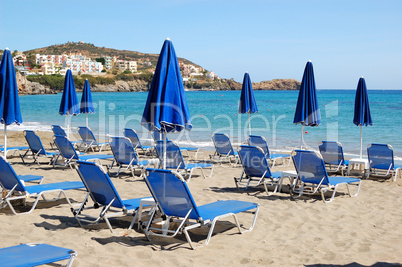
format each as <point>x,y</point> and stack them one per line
<point>256,170</point>
<point>124,154</point>
<point>29,178</point>
<point>15,189</point>
<point>381,161</point>
<point>223,148</point>
<point>174,200</point>
<point>259,141</point>
<point>104,196</point>
<point>70,155</point>
<point>175,160</point>
<point>88,140</point>
<point>135,140</point>
<point>57,130</point>
<point>159,136</point>
<point>36,148</point>
<point>312,176</point>
<point>332,153</point>
<point>35,255</point>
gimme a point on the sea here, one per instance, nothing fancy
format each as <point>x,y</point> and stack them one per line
<point>217,111</point>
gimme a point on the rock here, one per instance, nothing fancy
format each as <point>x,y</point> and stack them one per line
<point>277,84</point>
<point>139,85</point>
<point>35,88</point>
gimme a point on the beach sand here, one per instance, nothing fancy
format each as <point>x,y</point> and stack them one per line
<point>362,230</point>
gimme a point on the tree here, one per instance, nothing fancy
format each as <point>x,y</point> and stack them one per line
<point>101,60</point>
<point>31,58</point>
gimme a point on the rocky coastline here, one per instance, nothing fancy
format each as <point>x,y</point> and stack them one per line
<point>26,87</point>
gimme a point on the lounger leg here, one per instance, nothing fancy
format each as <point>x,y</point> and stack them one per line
<point>396,174</point>
<point>324,190</point>
<point>273,183</point>
<point>210,174</point>
<point>357,190</point>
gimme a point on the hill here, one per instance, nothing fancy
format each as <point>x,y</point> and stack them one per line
<point>123,82</point>
<point>92,51</point>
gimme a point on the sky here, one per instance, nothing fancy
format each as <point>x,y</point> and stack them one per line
<point>344,39</point>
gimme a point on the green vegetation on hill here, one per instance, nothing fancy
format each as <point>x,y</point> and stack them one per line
<point>56,81</point>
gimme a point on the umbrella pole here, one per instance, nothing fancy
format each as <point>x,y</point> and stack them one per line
<point>164,150</point>
<point>86,120</point>
<point>249,124</point>
<point>5,141</point>
<point>301,140</point>
<point>68,127</point>
<point>361,142</point>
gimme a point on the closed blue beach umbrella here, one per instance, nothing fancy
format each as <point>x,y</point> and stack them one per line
<point>69,104</point>
<point>247,100</point>
<point>362,114</point>
<point>166,108</point>
<point>86,101</point>
<point>9,102</point>
<point>307,112</point>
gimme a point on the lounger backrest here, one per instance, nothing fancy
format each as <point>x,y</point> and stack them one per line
<point>133,136</point>
<point>65,147</point>
<point>123,150</point>
<point>310,166</point>
<point>8,177</point>
<point>331,152</point>
<point>171,193</point>
<point>380,156</point>
<point>259,141</point>
<point>87,135</point>
<point>57,130</point>
<point>254,162</point>
<point>98,184</point>
<point>174,158</point>
<point>222,144</point>
<point>34,142</point>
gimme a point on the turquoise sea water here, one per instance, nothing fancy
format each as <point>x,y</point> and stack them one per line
<point>218,112</point>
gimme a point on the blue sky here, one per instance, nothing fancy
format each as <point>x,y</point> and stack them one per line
<point>345,39</point>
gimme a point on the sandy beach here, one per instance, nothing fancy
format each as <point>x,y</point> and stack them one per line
<point>363,230</point>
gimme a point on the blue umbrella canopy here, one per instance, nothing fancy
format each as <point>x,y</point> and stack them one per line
<point>362,115</point>
<point>307,112</point>
<point>86,101</point>
<point>247,100</point>
<point>9,101</point>
<point>166,108</point>
<point>69,103</point>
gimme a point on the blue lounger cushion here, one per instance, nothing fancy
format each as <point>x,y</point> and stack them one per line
<point>96,156</point>
<point>15,148</point>
<point>198,165</point>
<point>334,180</point>
<point>29,177</point>
<point>34,255</point>
<point>36,189</point>
<point>132,204</point>
<point>212,210</point>
<point>274,156</point>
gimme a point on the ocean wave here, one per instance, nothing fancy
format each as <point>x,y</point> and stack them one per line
<point>33,126</point>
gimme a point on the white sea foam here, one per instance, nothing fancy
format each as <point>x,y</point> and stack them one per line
<point>33,126</point>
